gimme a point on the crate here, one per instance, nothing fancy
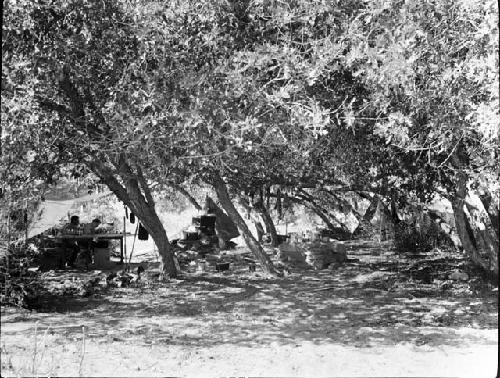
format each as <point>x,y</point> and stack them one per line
<point>102,258</point>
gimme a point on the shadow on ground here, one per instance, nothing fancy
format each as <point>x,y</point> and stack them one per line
<point>379,300</point>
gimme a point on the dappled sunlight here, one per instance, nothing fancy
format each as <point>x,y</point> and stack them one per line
<point>347,306</point>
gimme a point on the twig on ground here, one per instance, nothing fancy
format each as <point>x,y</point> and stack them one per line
<point>34,351</point>
<point>83,352</point>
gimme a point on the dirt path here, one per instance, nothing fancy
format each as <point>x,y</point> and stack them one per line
<point>375,317</point>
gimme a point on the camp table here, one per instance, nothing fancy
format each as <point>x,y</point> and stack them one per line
<point>104,236</point>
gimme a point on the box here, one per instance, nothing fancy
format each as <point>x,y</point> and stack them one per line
<point>101,258</point>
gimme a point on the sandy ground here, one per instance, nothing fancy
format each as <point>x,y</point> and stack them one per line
<point>310,323</point>
<point>304,358</point>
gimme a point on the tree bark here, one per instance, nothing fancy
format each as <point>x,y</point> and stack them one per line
<point>462,224</point>
<point>270,227</point>
<point>394,211</point>
<point>223,196</point>
<point>160,238</point>
<point>251,214</point>
<point>492,211</point>
<point>260,231</point>
<point>487,239</point>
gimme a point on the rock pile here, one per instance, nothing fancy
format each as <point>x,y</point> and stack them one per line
<point>318,254</point>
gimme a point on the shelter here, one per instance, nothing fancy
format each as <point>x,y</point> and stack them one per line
<point>224,226</point>
<point>52,212</point>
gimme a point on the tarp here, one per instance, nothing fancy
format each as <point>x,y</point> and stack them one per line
<point>51,212</point>
<point>224,226</point>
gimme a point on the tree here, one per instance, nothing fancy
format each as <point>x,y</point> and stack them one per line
<point>64,61</point>
<point>432,69</point>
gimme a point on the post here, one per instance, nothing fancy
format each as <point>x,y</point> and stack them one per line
<point>8,238</point>
<point>124,241</point>
<point>25,219</point>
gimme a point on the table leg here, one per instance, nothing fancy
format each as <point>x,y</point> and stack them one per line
<point>121,250</point>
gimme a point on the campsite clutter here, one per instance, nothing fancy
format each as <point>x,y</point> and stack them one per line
<point>199,248</point>
<point>76,233</point>
<point>88,241</point>
<point>78,245</point>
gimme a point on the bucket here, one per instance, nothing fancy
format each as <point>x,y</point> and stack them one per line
<point>101,258</point>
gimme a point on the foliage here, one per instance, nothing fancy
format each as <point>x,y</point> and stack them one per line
<point>18,285</point>
<point>395,98</point>
<point>433,72</point>
<point>414,237</point>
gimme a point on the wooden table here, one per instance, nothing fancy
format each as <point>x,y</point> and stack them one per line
<point>105,236</point>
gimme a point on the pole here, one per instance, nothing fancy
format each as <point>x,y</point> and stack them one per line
<point>124,241</point>
<point>133,245</point>
<point>8,237</point>
<point>25,218</point>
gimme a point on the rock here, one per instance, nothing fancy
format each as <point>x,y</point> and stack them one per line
<point>457,275</point>
<point>318,254</point>
<point>292,252</point>
<point>339,250</point>
<point>334,265</point>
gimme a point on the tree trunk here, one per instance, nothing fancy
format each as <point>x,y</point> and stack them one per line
<point>260,231</point>
<point>226,203</point>
<point>322,213</point>
<point>394,212</point>
<point>370,212</point>
<point>255,218</point>
<point>492,211</point>
<point>143,207</point>
<point>463,226</point>
<point>487,238</point>
<point>270,228</point>
<point>153,225</point>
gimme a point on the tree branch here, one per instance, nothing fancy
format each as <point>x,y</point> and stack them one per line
<point>53,106</point>
<point>186,194</point>
<point>145,186</point>
<point>70,91</point>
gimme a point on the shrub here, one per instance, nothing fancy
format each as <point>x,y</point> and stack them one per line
<point>411,237</point>
<point>18,285</point>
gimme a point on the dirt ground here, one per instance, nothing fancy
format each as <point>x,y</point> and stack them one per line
<point>378,315</point>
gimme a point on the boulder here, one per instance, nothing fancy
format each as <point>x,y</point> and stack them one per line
<point>457,275</point>
<point>291,252</point>
<point>321,254</point>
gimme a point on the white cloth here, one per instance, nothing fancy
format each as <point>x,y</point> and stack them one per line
<point>51,212</point>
